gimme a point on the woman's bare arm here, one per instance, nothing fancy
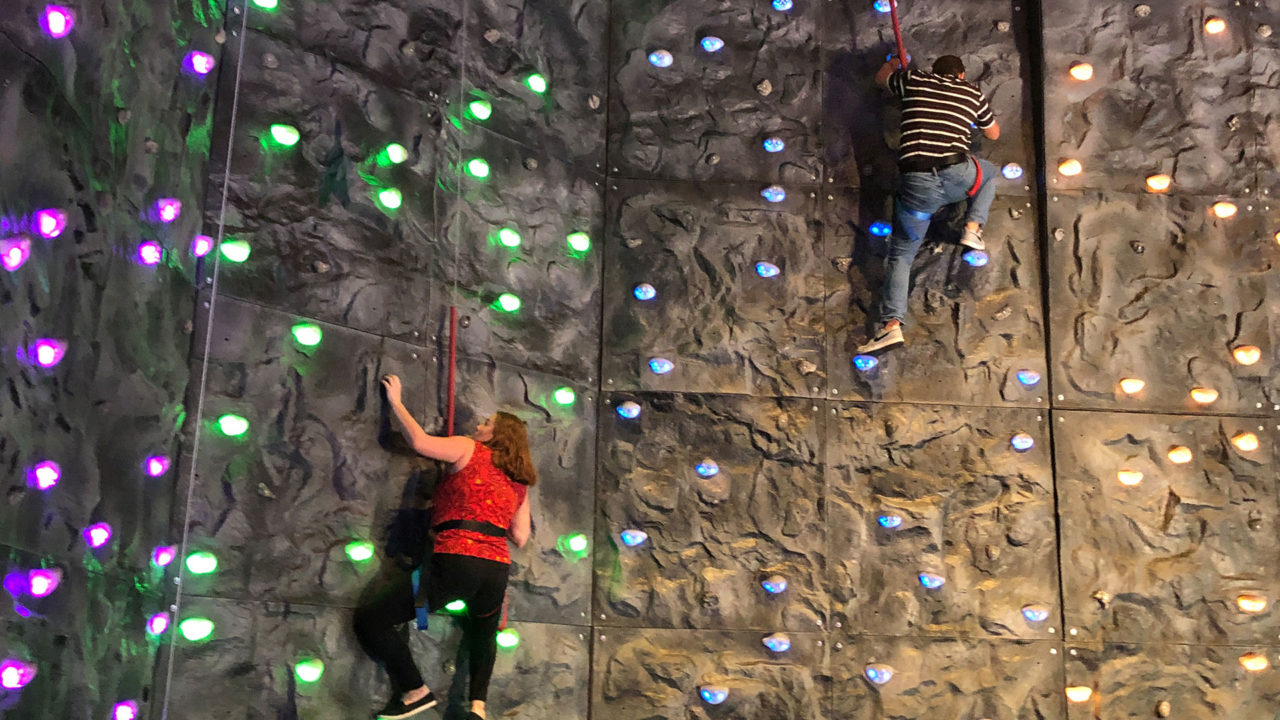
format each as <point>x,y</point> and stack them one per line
<point>447,449</point>
<point>521,524</point>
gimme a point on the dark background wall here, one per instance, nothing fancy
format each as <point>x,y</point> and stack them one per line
<point>1092,279</point>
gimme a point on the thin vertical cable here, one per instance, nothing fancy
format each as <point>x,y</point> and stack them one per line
<point>204,367</point>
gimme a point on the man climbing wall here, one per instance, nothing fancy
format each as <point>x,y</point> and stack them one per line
<point>939,110</point>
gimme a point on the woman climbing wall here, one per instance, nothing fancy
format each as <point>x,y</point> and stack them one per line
<point>481,503</point>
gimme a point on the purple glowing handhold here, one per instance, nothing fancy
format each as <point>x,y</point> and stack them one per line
<point>47,352</point>
<point>58,21</point>
<point>97,535</point>
<point>50,223</point>
<point>14,253</point>
<point>168,209</point>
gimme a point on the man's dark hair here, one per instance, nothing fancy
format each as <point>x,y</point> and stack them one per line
<point>948,65</point>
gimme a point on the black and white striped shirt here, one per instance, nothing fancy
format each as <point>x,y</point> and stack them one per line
<point>938,112</point>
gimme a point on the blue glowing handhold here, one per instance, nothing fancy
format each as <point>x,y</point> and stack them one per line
<point>782,5</point>
<point>714,695</point>
<point>976,258</point>
<point>778,642</point>
<point>931,581</point>
<point>890,521</point>
<point>661,366</point>
<point>880,228</point>
<point>774,584</point>
<point>774,194</point>
<point>767,270</point>
<point>1035,613</point>
<point>1022,442</point>
<point>661,58</point>
<point>1028,377</point>
<point>883,6</point>
<point>711,43</point>
<point>632,538</point>
<point>774,144</point>
<point>1012,171</point>
<point>629,410</point>
<point>878,674</point>
<point>645,291</point>
<point>708,468</point>
<point>865,362</point>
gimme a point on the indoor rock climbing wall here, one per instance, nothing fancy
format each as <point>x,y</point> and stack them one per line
<point>105,126</point>
<point>662,226</point>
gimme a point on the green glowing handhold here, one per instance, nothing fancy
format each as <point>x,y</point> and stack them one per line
<point>308,334</point>
<point>508,639</point>
<point>196,629</point>
<point>536,83</point>
<point>456,606</point>
<point>578,543</point>
<point>509,238</point>
<point>565,396</point>
<point>236,251</point>
<point>478,168</point>
<point>390,198</point>
<point>396,153</point>
<point>267,4</point>
<point>285,135</point>
<point>480,109</point>
<point>233,425</point>
<point>202,563</point>
<point>508,302</point>
<point>309,670</point>
<point>359,550</point>
<point>579,242</point>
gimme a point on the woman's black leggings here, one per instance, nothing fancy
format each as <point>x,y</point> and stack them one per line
<point>481,584</point>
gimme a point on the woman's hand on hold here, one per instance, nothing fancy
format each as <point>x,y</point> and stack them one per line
<point>391,384</point>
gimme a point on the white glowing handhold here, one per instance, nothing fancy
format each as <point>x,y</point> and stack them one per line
<point>778,642</point>
<point>878,673</point>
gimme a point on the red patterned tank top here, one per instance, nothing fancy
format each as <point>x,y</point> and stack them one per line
<point>479,491</point>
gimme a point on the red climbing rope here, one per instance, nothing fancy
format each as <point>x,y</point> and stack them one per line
<point>453,363</point>
<point>897,33</point>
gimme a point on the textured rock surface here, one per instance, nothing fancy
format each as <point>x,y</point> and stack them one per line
<point>258,644</point>
<point>984,678</point>
<point>974,511</point>
<point>1159,289</point>
<point>650,674</point>
<point>100,125</point>
<point>712,540</point>
<point>1180,105</point>
<point>721,323</point>
<point>1165,560</point>
<point>1195,681</point>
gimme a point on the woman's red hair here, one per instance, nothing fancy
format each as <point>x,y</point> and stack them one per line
<point>510,447</point>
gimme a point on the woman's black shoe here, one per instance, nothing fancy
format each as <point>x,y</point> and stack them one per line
<point>396,709</point>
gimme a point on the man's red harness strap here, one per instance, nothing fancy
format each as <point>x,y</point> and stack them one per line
<point>977,182</point>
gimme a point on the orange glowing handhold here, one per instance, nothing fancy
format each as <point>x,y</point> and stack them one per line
<point>1254,662</point>
<point>1247,354</point>
<point>1224,209</point>
<point>1159,183</point>
<point>1132,386</point>
<point>1129,477</point>
<point>1079,693</point>
<point>1081,71</point>
<point>1204,395</point>
<point>1251,603</point>
<point>1245,442</point>
<point>1070,168</point>
<point>1180,455</point>
<point>1215,26</point>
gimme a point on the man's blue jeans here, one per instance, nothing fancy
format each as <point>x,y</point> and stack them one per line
<point>920,195</point>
